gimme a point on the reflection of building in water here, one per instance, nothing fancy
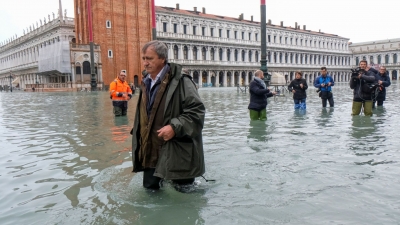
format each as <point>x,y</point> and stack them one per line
<point>384,52</point>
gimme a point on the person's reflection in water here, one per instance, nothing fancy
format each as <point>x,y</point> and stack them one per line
<point>364,140</point>
<point>257,133</point>
<point>120,130</point>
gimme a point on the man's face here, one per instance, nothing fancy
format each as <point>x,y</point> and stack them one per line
<point>323,72</point>
<point>122,76</point>
<point>298,76</point>
<point>151,62</point>
<point>382,71</point>
<point>261,75</point>
<point>363,65</point>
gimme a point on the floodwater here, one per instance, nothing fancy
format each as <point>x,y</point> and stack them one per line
<point>65,159</point>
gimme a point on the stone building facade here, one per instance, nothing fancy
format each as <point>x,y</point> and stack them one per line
<point>225,51</point>
<point>120,28</point>
<point>385,53</point>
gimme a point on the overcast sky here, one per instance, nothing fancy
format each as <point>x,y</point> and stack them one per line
<point>359,20</point>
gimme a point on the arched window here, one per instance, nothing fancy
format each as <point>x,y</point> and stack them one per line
<point>78,70</point>
<point>86,67</point>
<point>220,54</point>
<point>243,55</point>
<point>275,57</point>
<point>296,58</point>
<point>108,24</point>
<point>175,52</point>
<point>280,57</point>
<point>395,58</point>
<point>379,59</point>
<point>358,61</point>
<point>269,56</point>
<point>250,56</point>
<point>212,53</point>
<point>386,58</point>
<point>364,57</point>
<point>257,56</point>
<point>286,58</point>
<point>228,54</point>
<point>203,53</point>
<point>185,52</point>
<point>194,53</point>
<point>371,59</point>
<point>236,55</point>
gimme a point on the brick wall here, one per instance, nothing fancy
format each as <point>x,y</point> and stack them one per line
<point>130,30</point>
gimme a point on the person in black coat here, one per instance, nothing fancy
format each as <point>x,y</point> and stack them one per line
<point>258,97</point>
<point>298,87</point>
<point>383,79</point>
<point>362,90</point>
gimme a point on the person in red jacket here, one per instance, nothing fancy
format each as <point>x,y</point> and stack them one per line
<point>120,93</point>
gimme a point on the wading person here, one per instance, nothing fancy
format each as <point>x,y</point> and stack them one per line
<point>361,84</point>
<point>258,97</point>
<point>298,87</point>
<point>383,79</point>
<point>167,134</point>
<point>120,93</point>
<point>324,83</point>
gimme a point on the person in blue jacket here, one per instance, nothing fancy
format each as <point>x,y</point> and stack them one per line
<point>324,83</point>
<point>258,97</point>
<point>298,87</point>
<point>383,79</point>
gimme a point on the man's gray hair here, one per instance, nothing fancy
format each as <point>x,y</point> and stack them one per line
<point>258,72</point>
<point>159,47</point>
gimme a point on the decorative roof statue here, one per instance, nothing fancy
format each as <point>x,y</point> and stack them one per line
<point>54,16</point>
<point>44,19</point>
<point>65,13</point>
<point>37,24</point>
<point>23,31</point>
<point>40,22</point>
<point>49,17</point>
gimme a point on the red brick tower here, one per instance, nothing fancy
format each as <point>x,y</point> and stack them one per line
<point>121,28</point>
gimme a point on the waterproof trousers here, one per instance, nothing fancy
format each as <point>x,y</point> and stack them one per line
<point>380,103</point>
<point>258,115</point>
<point>152,182</point>
<point>300,103</point>
<point>120,111</point>
<point>367,105</point>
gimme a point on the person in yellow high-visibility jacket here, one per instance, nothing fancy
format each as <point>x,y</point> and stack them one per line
<point>120,93</point>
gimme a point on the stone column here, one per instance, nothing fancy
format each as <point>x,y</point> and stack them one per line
<point>208,77</point>
<point>200,78</point>
<point>216,54</point>
<point>233,79</point>
<point>190,52</point>
<point>217,79</point>
<point>224,57</point>
<point>246,55</point>
<point>180,52</point>
<point>246,82</point>
<point>225,79</point>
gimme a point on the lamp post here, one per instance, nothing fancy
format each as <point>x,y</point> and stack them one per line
<point>263,60</point>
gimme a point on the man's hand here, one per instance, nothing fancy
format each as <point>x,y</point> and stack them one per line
<point>301,85</point>
<point>293,91</point>
<point>359,76</point>
<point>380,82</point>
<point>329,83</point>
<point>322,85</point>
<point>166,133</point>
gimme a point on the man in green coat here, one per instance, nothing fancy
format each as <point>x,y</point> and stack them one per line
<point>167,134</point>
